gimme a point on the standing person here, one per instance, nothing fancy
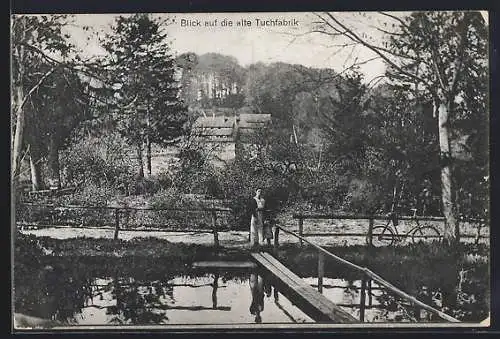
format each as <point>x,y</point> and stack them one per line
<point>257,219</point>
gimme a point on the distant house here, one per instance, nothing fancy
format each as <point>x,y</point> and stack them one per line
<point>223,133</point>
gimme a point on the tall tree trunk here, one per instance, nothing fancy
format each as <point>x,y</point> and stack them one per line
<point>140,162</point>
<point>451,229</point>
<point>35,167</point>
<point>148,144</point>
<point>53,162</point>
<point>20,119</point>
<point>148,155</point>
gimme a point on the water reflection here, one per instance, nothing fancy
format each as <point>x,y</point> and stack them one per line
<point>370,302</point>
<point>201,298</point>
<point>262,289</point>
<point>257,289</point>
<point>75,294</point>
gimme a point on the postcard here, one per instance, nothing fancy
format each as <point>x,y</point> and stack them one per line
<point>240,171</point>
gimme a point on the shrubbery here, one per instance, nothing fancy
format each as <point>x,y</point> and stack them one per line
<point>103,161</point>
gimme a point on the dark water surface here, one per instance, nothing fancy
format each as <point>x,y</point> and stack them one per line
<point>100,293</point>
<point>76,297</point>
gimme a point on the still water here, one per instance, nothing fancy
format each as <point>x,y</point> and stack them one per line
<point>194,298</point>
<point>79,296</point>
<point>205,299</point>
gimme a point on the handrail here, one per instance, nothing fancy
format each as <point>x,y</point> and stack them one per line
<point>373,276</point>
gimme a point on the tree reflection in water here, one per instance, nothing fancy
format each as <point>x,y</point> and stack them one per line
<point>67,291</point>
<point>136,304</point>
<point>61,294</point>
<point>53,293</point>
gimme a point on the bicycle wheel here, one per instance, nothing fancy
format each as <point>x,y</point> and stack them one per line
<point>425,233</point>
<point>381,236</point>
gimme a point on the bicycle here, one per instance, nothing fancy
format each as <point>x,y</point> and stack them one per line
<point>386,235</point>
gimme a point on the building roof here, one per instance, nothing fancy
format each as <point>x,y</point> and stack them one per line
<point>214,122</point>
<point>254,117</point>
<point>219,132</point>
<point>253,121</point>
<point>220,127</point>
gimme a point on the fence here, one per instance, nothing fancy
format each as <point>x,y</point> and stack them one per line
<point>373,219</point>
<point>201,219</point>
<point>368,275</point>
<point>196,219</point>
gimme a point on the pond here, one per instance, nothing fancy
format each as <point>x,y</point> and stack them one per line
<point>86,294</point>
<point>199,297</point>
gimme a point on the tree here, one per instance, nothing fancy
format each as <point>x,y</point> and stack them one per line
<point>34,39</point>
<point>437,54</point>
<point>211,80</point>
<point>54,111</point>
<point>143,70</point>
<point>50,95</point>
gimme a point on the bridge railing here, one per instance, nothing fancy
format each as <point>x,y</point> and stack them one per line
<point>200,219</point>
<point>367,276</point>
<point>372,219</point>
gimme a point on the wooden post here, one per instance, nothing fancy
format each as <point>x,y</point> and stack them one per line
<point>321,270</point>
<point>478,236</point>
<point>214,227</point>
<point>370,296</point>
<point>214,290</point>
<point>362,300</point>
<point>301,229</point>
<point>117,223</point>
<point>276,237</point>
<point>370,232</point>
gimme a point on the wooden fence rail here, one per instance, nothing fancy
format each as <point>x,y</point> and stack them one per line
<point>367,273</point>
<point>371,221</point>
<point>117,210</point>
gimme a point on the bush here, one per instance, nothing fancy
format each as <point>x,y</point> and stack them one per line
<point>170,198</point>
<point>144,185</point>
<point>88,195</point>
<point>103,161</point>
<point>363,197</point>
<point>197,174</point>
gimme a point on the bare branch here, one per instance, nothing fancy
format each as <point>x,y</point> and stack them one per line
<point>461,51</point>
<point>375,49</point>
<point>396,18</point>
<point>72,65</point>
<point>435,57</point>
<point>35,87</point>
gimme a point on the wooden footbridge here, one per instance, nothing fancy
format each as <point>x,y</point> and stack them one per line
<point>313,303</point>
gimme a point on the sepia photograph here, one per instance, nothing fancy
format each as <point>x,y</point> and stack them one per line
<point>250,170</point>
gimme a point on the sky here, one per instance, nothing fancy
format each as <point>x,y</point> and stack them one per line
<point>248,44</point>
<point>294,44</point>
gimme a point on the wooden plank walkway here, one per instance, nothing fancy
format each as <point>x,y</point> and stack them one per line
<point>313,303</point>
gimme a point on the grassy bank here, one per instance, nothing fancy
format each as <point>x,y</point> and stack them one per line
<point>419,262</point>
<point>142,253</point>
<point>413,263</point>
